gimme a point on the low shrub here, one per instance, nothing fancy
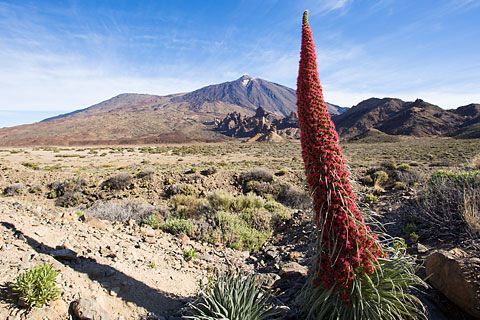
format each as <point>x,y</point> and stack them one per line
<point>13,190</point>
<point>256,174</point>
<point>410,178</point>
<point>400,185</point>
<point>220,200</point>
<point>260,188</point>
<point>247,202</point>
<point>292,196</point>
<point>69,199</point>
<point>279,210</point>
<point>379,178</point>
<point>188,206</point>
<point>258,219</point>
<point>232,297</point>
<point>154,220</point>
<point>410,230</point>
<point>146,174</point>
<point>237,234</point>
<point>366,180</point>
<point>36,286</point>
<point>121,210</point>
<point>61,188</point>
<point>120,181</point>
<point>208,172</point>
<point>371,198</point>
<point>403,167</point>
<point>176,226</point>
<point>31,165</point>
<point>189,254</point>
<point>180,189</point>
<point>451,200</point>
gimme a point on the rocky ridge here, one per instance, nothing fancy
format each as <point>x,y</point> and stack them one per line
<point>262,126</point>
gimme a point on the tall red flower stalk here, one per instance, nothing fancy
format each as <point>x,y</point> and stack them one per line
<point>347,248</point>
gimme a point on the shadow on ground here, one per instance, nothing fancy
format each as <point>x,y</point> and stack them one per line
<point>127,288</point>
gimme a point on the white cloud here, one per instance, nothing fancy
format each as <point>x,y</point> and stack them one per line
<point>326,6</point>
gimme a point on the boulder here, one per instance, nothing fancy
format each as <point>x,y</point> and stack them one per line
<point>457,276</point>
<point>294,269</point>
<point>88,309</point>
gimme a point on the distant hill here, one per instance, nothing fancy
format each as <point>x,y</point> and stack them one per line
<point>132,118</point>
<point>396,117</point>
<point>142,118</point>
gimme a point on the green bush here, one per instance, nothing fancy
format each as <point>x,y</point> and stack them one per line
<point>189,254</point>
<point>233,298</point>
<point>380,178</point>
<point>279,210</point>
<point>248,201</point>
<point>36,286</point>
<point>188,206</point>
<point>237,234</point>
<point>178,225</point>
<point>153,220</point>
<point>220,200</point>
<point>371,197</point>
<point>410,229</point>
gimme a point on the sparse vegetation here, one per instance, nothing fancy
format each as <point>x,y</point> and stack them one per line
<point>68,193</point>
<point>31,165</point>
<point>36,286</point>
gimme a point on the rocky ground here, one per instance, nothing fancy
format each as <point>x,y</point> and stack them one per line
<point>124,271</point>
<point>128,270</point>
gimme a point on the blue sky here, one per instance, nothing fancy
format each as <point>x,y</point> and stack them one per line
<point>58,56</point>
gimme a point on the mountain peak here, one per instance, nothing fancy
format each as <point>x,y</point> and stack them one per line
<point>245,77</point>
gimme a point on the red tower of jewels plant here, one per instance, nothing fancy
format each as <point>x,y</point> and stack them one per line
<point>347,248</point>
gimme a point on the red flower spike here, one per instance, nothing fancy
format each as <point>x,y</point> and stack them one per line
<point>347,246</point>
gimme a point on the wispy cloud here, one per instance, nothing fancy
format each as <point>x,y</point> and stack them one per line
<point>327,6</point>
